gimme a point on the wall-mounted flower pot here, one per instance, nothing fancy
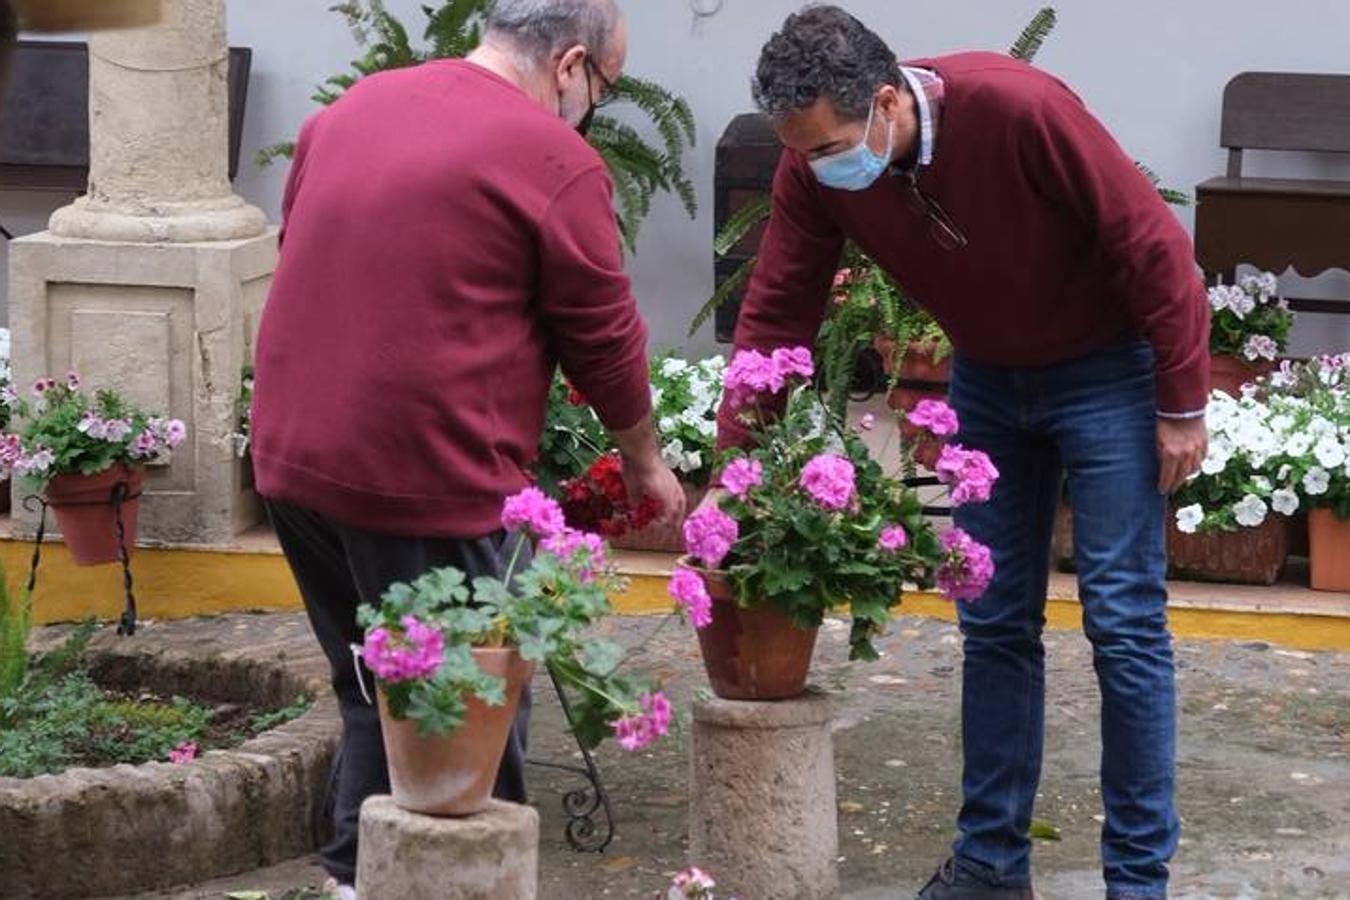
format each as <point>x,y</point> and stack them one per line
<point>1329,556</point>
<point>1246,556</point>
<point>453,775</point>
<point>87,516</point>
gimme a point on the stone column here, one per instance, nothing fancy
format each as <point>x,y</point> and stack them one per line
<point>153,281</point>
<point>491,856</point>
<point>763,818</point>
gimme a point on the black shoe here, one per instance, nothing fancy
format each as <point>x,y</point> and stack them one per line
<point>942,887</point>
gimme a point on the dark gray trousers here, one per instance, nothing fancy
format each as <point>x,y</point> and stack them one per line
<point>338,568</point>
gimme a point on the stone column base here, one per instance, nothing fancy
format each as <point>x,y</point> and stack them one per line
<point>170,326</point>
<point>762,816</point>
<point>491,856</point>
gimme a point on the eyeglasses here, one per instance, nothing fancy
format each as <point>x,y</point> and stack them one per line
<point>608,89</point>
<point>940,225</point>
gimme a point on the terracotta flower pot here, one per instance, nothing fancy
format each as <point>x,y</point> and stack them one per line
<point>453,775</point>
<point>922,377</point>
<point>662,538</point>
<point>1246,556</point>
<point>1229,374</point>
<point>753,654</point>
<point>86,15</point>
<point>86,515</point>
<point>1329,540</point>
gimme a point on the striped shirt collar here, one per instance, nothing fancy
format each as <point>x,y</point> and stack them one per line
<point>928,90</point>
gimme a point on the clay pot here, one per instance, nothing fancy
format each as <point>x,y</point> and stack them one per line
<point>86,15</point>
<point>1329,559</point>
<point>752,654</point>
<point>922,377</point>
<point>1246,556</point>
<point>1229,374</point>
<point>453,775</point>
<point>86,515</point>
<point>662,538</point>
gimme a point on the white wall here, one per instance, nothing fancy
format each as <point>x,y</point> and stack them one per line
<point>1153,70</point>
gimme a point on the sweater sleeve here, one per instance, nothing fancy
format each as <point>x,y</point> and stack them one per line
<point>1072,159</point>
<point>788,292</point>
<point>587,303</point>
<point>297,173</point>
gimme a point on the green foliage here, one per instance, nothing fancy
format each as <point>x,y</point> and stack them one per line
<point>276,718</point>
<point>806,560</point>
<point>16,616</point>
<point>572,439</point>
<point>1029,42</point>
<point>1246,310</point>
<point>685,397</point>
<point>545,614</point>
<point>640,168</point>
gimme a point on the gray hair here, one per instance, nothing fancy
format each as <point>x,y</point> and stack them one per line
<point>539,29</point>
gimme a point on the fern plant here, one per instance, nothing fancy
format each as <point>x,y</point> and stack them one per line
<point>640,167</point>
<point>871,304</point>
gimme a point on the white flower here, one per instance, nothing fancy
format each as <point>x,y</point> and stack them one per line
<point>1260,346</point>
<point>1316,481</point>
<point>657,395</point>
<point>672,454</point>
<point>1282,476</point>
<point>666,424</point>
<point>1262,484</point>
<point>1329,452</point>
<point>1250,511</point>
<point>673,366</point>
<point>1189,518</point>
<point>1220,298</point>
<point>692,462</point>
<point>1264,285</point>
<point>1240,302</point>
<point>1284,502</point>
<point>1217,459</point>
<point>1298,443</point>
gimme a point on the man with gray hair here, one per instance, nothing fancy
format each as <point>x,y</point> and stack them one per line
<point>449,239</point>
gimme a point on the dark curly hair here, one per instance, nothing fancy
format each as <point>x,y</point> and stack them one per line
<point>823,51</point>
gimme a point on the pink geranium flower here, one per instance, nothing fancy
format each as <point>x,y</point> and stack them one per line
<point>752,373</point>
<point>641,731</point>
<point>534,511</point>
<point>936,416</point>
<point>741,475</point>
<point>417,653</point>
<point>709,535</point>
<point>829,480</point>
<point>579,548</point>
<point>968,568</point>
<point>691,592</point>
<point>969,473</point>
<point>185,752</point>
<point>893,538</point>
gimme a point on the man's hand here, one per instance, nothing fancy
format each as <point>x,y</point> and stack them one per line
<point>1182,447</point>
<point>650,478</point>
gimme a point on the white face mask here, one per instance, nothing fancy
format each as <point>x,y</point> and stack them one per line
<point>857,168</point>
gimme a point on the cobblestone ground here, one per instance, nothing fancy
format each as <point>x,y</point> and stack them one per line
<point>1264,773</point>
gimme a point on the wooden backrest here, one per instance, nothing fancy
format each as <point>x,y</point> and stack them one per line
<point>1287,111</point>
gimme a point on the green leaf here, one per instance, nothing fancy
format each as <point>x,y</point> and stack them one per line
<point>724,292</point>
<point>601,657</point>
<point>1029,42</point>
<point>1042,830</point>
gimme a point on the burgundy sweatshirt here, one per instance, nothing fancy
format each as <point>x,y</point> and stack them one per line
<point>446,243</point>
<point>1070,248</point>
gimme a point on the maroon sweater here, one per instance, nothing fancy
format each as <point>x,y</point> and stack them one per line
<point>1070,248</point>
<point>446,242</point>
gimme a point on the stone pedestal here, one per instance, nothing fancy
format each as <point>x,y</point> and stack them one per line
<point>762,817</point>
<point>171,327</point>
<point>491,856</point>
<point>153,282</point>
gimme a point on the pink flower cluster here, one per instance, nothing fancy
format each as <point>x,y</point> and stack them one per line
<point>752,373</point>
<point>969,473</point>
<point>709,535</point>
<point>691,884</point>
<point>533,511</point>
<point>185,752</point>
<point>968,569</point>
<point>637,732</point>
<point>893,538</point>
<point>160,436</point>
<point>417,653</point>
<point>691,592</point>
<point>579,548</point>
<point>13,458</point>
<point>111,430</point>
<point>830,480</point>
<point>936,416</point>
<point>741,475</point>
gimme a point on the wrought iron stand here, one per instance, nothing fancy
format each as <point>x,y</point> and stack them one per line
<point>120,493</point>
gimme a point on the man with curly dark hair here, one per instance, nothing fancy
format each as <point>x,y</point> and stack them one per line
<point>1080,329</point>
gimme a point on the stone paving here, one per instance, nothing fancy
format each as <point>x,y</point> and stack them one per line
<point>1264,773</point>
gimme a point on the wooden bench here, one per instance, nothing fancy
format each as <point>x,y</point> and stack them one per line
<point>1278,223</point>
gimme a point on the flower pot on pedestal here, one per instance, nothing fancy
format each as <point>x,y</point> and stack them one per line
<point>97,514</point>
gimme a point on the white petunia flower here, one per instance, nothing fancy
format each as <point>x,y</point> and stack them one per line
<point>1250,511</point>
<point>666,424</point>
<point>1329,452</point>
<point>673,366</point>
<point>1189,518</point>
<point>1316,481</point>
<point>1262,484</point>
<point>1284,502</point>
<point>672,454</point>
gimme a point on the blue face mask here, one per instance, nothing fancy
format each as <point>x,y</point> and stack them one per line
<point>857,168</point>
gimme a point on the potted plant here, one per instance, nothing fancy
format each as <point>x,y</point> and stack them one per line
<point>809,521</point>
<point>1311,401</point>
<point>1227,526</point>
<point>450,659</point>
<point>1249,331</point>
<point>86,453</point>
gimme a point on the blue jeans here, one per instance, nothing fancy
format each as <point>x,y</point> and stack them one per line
<point>1095,420</point>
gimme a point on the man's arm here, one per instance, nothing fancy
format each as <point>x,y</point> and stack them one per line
<point>1073,160</point>
<point>787,296</point>
<point>592,318</point>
